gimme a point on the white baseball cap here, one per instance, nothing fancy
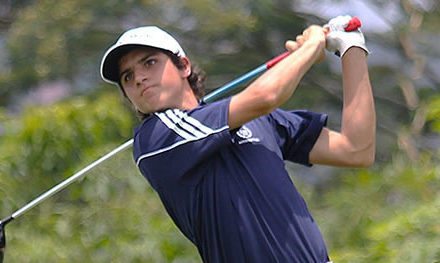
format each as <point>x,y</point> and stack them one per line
<point>150,36</point>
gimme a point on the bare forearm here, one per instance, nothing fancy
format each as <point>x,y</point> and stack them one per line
<point>274,87</point>
<point>282,80</point>
<point>358,116</point>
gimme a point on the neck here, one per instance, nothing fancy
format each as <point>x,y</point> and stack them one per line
<point>189,100</point>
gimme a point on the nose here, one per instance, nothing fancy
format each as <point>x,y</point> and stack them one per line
<point>140,76</point>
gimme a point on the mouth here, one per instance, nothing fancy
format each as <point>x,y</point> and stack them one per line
<point>145,90</point>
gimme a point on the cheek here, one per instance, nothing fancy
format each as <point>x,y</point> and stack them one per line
<point>129,95</point>
<point>173,77</point>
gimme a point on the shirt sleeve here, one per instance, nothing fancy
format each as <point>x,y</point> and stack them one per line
<point>297,132</point>
<point>170,143</point>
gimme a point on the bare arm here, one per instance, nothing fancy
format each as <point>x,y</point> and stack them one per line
<point>354,145</point>
<point>276,86</point>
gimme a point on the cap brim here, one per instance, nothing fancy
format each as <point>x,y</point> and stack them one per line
<point>110,63</point>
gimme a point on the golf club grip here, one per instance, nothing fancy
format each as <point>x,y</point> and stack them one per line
<point>276,59</point>
<point>353,24</point>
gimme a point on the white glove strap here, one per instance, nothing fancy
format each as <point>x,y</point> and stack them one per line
<point>339,42</point>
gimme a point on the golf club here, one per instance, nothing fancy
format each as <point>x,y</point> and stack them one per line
<point>80,174</point>
<point>243,79</point>
<point>353,25</point>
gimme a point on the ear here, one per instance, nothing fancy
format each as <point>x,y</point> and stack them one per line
<point>186,71</point>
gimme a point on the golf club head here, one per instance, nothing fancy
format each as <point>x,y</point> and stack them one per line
<point>2,241</point>
<point>3,223</point>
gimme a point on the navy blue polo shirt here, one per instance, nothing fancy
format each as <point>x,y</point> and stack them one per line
<point>228,191</point>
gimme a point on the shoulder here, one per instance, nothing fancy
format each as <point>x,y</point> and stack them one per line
<point>173,127</point>
<point>290,117</point>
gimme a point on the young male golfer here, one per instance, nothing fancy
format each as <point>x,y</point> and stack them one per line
<point>219,168</point>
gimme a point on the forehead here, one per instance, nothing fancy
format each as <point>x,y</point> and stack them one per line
<point>134,54</point>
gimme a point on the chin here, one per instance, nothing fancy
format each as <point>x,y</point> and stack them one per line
<point>155,109</point>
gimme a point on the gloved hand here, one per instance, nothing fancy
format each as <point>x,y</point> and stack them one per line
<point>339,40</point>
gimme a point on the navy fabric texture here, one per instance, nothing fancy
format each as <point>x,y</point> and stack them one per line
<point>228,191</point>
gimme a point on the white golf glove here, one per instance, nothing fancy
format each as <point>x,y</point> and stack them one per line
<point>339,40</point>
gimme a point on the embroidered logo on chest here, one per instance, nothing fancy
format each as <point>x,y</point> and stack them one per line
<point>244,132</point>
<point>245,135</point>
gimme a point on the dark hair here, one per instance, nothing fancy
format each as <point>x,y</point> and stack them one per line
<point>196,80</point>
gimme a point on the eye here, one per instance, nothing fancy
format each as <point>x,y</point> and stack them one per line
<point>150,62</point>
<point>127,77</point>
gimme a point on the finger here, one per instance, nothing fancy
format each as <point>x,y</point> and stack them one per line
<point>291,45</point>
<point>300,40</point>
<point>305,33</point>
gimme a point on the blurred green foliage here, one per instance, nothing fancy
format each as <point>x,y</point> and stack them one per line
<point>384,215</point>
<point>387,213</point>
<point>434,113</point>
<point>48,142</point>
<point>92,220</point>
